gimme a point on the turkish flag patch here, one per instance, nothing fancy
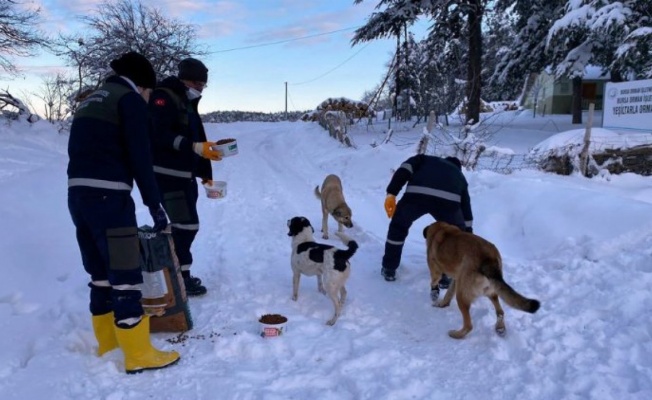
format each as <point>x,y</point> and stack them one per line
<point>159,102</point>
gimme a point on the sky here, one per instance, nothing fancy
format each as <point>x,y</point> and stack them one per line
<point>580,246</point>
<point>255,47</point>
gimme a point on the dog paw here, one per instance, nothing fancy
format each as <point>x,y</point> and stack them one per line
<point>331,322</point>
<point>500,327</point>
<point>295,298</point>
<point>457,334</point>
<point>434,295</point>
<point>440,304</point>
<point>324,236</point>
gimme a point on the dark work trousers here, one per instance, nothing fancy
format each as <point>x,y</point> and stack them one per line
<point>106,230</point>
<point>408,211</point>
<point>180,202</point>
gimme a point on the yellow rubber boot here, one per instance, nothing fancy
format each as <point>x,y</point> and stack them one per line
<point>139,353</point>
<point>104,333</point>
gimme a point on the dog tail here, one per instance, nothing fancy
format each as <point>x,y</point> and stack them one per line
<point>506,292</point>
<point>317,193</point>
<point>351,244</point>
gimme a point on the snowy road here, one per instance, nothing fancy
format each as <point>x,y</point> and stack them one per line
<point>580,246</point>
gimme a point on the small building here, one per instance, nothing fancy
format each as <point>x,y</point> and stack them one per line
<point>547,95</point>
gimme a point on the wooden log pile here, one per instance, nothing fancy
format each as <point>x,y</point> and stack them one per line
<point>351,108</point>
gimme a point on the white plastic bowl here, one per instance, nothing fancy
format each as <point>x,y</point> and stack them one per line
<point>228,147</point>
<point>216,191</point>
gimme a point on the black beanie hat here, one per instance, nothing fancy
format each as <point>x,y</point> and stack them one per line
<point>192,69</point>
<point>455,161</point>
<point>135,67</point>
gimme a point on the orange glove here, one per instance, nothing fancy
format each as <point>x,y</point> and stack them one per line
<point>204,149</point>
<point>390,205</point>
<point>208,182</point>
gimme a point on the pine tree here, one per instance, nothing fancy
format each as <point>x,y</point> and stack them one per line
<point>527,53</point>
<point>499,38</point>
<point>456,15</point>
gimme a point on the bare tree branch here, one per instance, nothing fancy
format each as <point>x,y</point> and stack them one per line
<point>18,33</point>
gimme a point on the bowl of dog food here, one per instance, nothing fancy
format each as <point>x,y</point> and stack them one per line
<point>228,147</point>
<point>272,325</point>
<point>215,190</point>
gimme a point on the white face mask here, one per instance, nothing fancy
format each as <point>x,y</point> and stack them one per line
<point>193,93</point>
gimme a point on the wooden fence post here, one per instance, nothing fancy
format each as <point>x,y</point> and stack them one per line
<point>584,155</point>
<point>431,121</point>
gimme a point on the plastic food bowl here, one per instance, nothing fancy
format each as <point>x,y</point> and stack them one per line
<point>215,191</point>
<point>228,147</point>
<point>272,325</point>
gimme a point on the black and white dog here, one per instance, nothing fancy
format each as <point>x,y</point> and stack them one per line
<point>328,262</point>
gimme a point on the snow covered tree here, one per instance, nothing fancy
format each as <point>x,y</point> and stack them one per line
<point>442,73</point>
<point>634,52</point>
<point>570,51</point>
<point>18,33</point>
<point>527,53</point>
<point>120,26</point>
<point>406,85</point>
<point>384,24</point>
<point>457,15</point>
<point>616,36</point>
<point>499,36</point>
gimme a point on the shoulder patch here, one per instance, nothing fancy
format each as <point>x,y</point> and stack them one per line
<point>159,102</point>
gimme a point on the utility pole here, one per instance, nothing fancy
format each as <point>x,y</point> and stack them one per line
<point>286,100</point>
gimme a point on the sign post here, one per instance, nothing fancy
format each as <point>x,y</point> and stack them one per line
<point>628,106</point>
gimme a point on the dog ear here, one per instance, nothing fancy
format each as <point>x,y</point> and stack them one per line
<point>439,235</point>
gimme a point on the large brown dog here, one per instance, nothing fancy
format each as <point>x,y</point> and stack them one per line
<point>476,268</point>
<point>333,203</point>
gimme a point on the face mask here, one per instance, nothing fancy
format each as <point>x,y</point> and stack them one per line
<point>193,93</point>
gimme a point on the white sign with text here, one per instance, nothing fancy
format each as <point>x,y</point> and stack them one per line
<point>628,106</point>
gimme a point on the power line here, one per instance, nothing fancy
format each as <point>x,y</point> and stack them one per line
<point>284,41</point>
<point>292,102</point>
<point>332,69</point>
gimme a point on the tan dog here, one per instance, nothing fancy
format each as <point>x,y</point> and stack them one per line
<point>476,268</point>
<point>333,203</point>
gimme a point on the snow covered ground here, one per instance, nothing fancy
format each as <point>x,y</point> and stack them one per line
<point>582,247</point>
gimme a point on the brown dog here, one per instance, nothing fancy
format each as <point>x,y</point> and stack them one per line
<point>333,203</point>
<point>476,268</point>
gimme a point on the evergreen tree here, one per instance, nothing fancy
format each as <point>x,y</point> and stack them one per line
<point>527,53</point>
<point>499,37</point>
<point>455,15</point>
<point>407,77</point>
<point>616,35</point>
<point>443,72</point>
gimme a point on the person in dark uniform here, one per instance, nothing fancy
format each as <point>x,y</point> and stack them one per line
<point>181,155</point>
<point>435,186</point>
<point>108,150</point>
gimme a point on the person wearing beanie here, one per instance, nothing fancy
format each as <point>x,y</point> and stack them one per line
<point>109,150</point>
<point>182,154</point>
<point>435,186</point>
<point>136,68</point>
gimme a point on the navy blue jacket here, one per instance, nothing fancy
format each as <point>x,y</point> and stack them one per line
<point>176,126</point>
<point>109,144</point>
<point>430,177</point>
